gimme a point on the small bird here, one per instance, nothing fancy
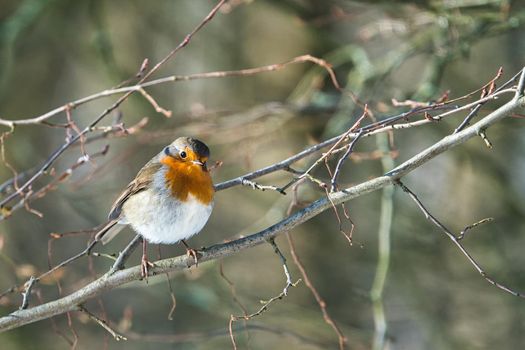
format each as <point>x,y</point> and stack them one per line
<point>170,199</point>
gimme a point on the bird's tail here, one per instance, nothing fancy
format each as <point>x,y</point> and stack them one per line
<point>108,231</point>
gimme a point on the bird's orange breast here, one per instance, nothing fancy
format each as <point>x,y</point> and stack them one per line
<point>186,178</point>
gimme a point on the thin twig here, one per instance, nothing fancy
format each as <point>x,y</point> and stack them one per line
<point>32,195</point>
<point>266,303</point>
<point>490,86</point>
<point>237,301</point>
<point>322,304</point>
<point>466,229</point>
<point>521,86</point>
<point>125,254</point>
<point>352,132</point>
<point>230,331</point>
<point>102,323</point>
<point>54,326</point>
<point>232,288</point>
<point>154,103</point>
<point>263,188</point>
<point>139,87</point>
<point>69,260</point>
<point>454,239</point>
<point>71,327</point>
<point>343,158</point>
<point>289,283</point>
<point>27,292</point>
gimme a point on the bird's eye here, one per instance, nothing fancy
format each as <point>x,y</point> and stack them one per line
<point>183,154</point>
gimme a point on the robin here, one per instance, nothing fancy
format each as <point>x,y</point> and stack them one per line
<point>170,199</point>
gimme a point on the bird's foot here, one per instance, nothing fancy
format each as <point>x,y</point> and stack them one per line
<point>145,265</point>
<point>191,253</point>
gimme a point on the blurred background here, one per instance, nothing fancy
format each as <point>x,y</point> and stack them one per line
<point>53,52</point>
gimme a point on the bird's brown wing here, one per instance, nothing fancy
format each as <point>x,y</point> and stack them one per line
<point>142,181</point>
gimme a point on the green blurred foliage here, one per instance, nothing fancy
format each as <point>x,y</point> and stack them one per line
<point>53,52</point>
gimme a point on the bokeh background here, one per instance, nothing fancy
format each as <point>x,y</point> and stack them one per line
<point>55,51</point>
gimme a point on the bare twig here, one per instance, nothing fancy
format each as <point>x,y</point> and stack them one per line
<point>140,87</point>
<point>54,326</point>
<point>71,327</point>
<point>230,330</point>
<point>11,184</point>
<point>266,303</point>
<point>320,301</point>
<point>289,283</point>
<point>521,86</point>
<point>32,195</point>
<point>237,301</point>
<point>173,299</point>
<point>455,240</point>
<point>348,134</point>
<point>343,158</point>
<point>466,229</point>
<point>232,289</point>
<point>27,292</point>
<point>485,139</point>
<point>124,254</point>
<point>487,89</point>
<point>257,186</point>
<point>102,323</point>
<point>154,103</point>
<point>68,261</point>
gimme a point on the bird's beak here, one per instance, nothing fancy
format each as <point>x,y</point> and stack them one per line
<point>198,162</point>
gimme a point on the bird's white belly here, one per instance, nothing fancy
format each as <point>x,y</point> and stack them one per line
<point>160,218</point>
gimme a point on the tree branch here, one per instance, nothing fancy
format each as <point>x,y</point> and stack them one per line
<point>111,281</point>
